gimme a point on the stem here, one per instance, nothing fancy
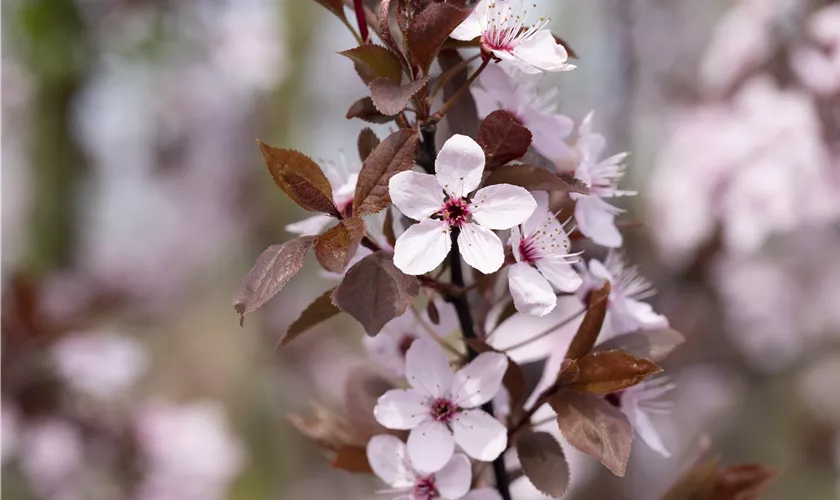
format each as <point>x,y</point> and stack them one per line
<point>452,100</point>
<point>450,73</point>
<point>426,155</point>
<point>462,309</point>
<point>360,18</point>
<point>350,27</point>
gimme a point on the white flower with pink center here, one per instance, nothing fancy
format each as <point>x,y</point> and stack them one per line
<point>595,217</point>
<point>442,408</point>
<point>343,181</point>
<point>388,457</point>
<point>441,204</point>
<point>543,262</point>
<point>536,110</point>
<point>625,312</point>
<point>503,28</point>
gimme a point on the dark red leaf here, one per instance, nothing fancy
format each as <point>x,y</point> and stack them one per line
<point>503,138</point>
<point>391,98</point>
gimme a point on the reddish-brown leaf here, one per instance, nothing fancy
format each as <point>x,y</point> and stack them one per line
<point>743,482</point>
<point>336,246</point>
<point>595,427</point>
<point>395,154</point>
<point>334,6</point>
<point>429,29</point>
<point>503,138</point>
<point>352,459</point>
<point>273,269</point>
<point>606,372</point>
<point>320,310</point>
<point>300,178</point>
<point>534,178</point>
<point>391,98</point>
<point>364,109</point>
<point>374,292</point>
<point>590,327</point>
<point>374,61</point>
<point>366,143</point>
<point>655,345</point>
<point>388,228</point>
<point>543,462</point>
<point>432,312</point>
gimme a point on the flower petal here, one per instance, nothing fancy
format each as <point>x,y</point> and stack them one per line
<point>480,435</point>
<point>309,226</point>
<point>531,292</point>
<point>643,426</point>
<point>422,247</point>
<point>427,368</point>
<point>480,380</point>
<point>459,165</point>
<point>597,221</point>
<point>416,195</point>
<point>388,457</point>
<point>401,409</point>
<point>559,273</point>
<point>502,206</point>
<point>540,215</point>
<point>469,28</point>
<point>629,315</point>
<point>500,87</point>
<point>481,248</point>
<point>548,131</point>
<point>543,52</point>
<point>515,240</point>
<point>453,481</point>
<point>430,446</point>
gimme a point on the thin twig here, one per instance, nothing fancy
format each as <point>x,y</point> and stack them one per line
<point>545,333</point>
<point>450,73</point>
<point>438,116</point>
<point>359,7</point>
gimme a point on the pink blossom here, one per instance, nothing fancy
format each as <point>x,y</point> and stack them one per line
<point>502,26</point>
<point>459,168</point>
<point>442,408</point>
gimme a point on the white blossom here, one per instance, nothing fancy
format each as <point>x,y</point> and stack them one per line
<point>502,26</point>
<point>442,408</point>
<point>625,312</point>
<point>595,217</point>
<point>343,181</point>
<point>459,167</point>
<point>641,401</point>
<point>388,457</point>
<point>536,110</point>
<point>389,347</point>
<point>543,262</point>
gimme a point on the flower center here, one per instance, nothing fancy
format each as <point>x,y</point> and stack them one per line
<point>506,25</point>
<point>443,410</point>
<point>528,251</point>
<point>456,212</point>
<point>424,488</point>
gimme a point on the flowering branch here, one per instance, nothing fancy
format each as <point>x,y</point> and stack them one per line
<point>359,7</point>
<point>438,116</point>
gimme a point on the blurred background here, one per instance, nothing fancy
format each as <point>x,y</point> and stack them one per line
<point>134,199</point>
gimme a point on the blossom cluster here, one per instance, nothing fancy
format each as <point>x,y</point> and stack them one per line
<point>525,198</point>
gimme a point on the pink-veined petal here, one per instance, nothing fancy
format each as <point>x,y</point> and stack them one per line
<point>514,241</point>
<point>500,87</point>
<point>480,435</point>
<point>422,247</point>
<point>430,446</point>
<point>453,480</point>
<point>560,274</point>
<point>597,222</point>
<point>309,226</point>
<point>401,409</point>
<point>480,380</point>
<point>388,457</point>
<point>531,292</point>
<point>481,248</point>
<point>543,52</point>
<point>416,195</point>
<point>483,494</point>
<point>502,206</point>
<point>459,165</point>
<point>427,368</point>
<point>643,425</point>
